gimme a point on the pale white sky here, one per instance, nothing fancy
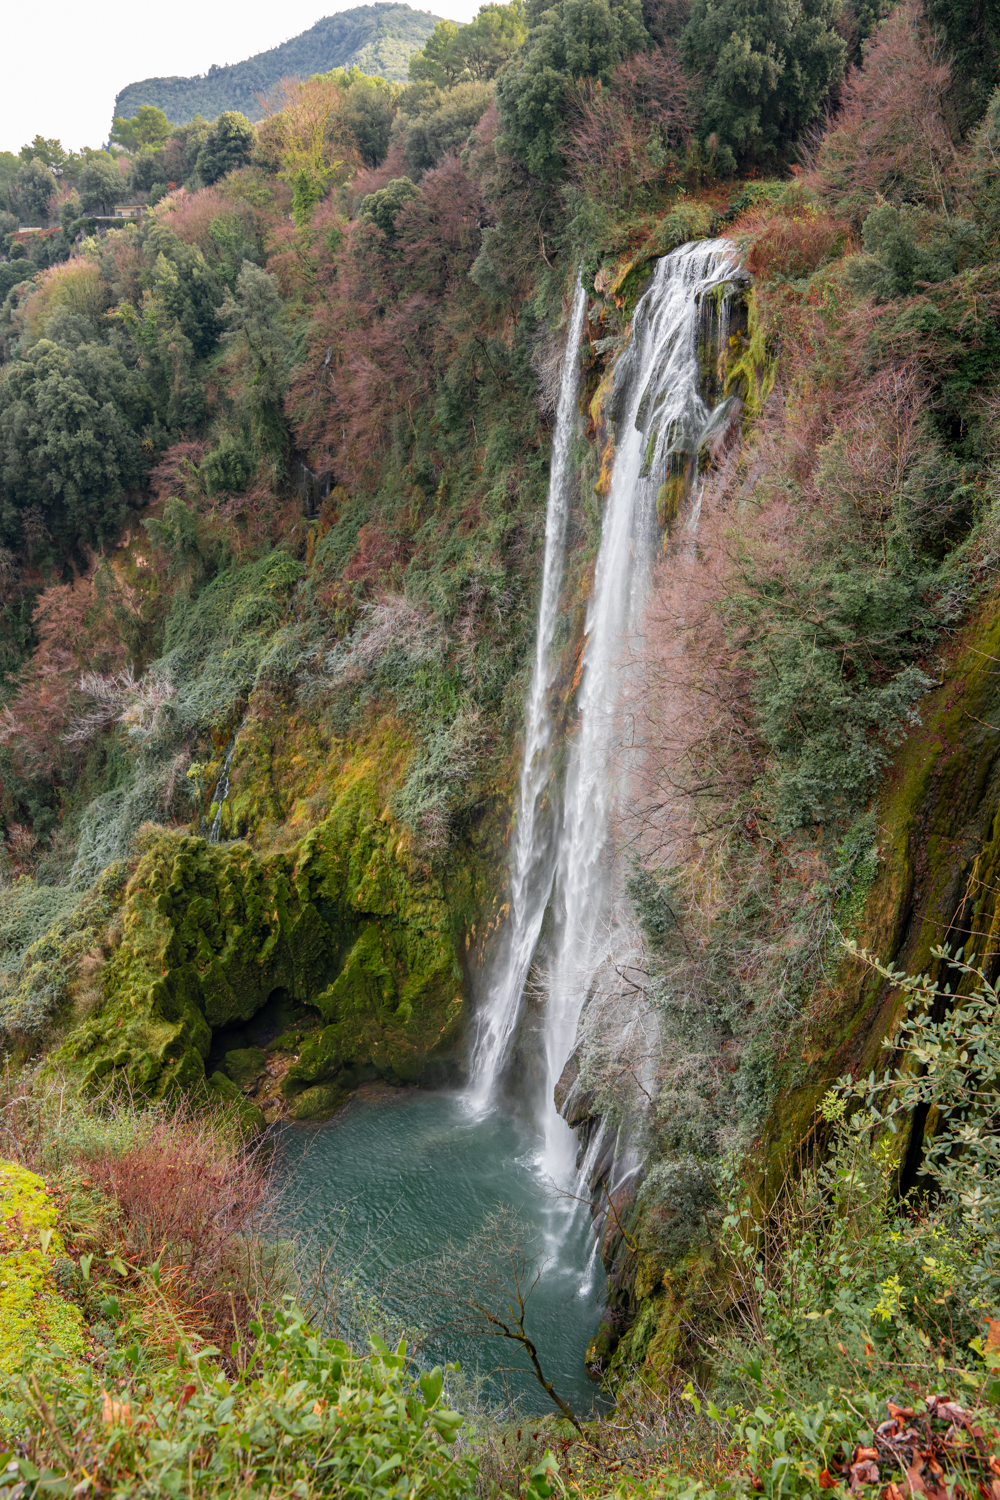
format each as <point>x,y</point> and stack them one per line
<point>64,61</point>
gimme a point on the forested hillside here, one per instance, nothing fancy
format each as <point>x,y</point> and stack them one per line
<point>376,39</point>
<point>276,473</point>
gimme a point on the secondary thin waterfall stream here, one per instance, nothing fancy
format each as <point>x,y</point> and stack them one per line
<point>532,864</point>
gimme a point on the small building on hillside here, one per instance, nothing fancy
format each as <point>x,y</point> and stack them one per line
<point>127,211</point>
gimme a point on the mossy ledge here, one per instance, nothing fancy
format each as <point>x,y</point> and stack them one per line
<point>348,921</point>
<point>938,820</point>
<point>32,1310</point>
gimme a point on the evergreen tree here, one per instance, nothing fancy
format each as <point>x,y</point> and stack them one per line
<point>34,186</point>
<point>575,39</point>
<point>68,444</point>
<point>229,144</point>
<point>767,67</point>
<point>971,33</point>
<point>101,184</point>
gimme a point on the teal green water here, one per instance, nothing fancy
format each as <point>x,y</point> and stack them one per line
<point>393,1180</point>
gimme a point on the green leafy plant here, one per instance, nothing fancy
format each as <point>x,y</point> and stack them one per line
<point>304,1415</point>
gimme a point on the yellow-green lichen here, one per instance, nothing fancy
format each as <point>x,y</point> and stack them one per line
<point>751,370</point>
<point>32,1312</point>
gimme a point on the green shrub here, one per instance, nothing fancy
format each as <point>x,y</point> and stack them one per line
<point>44,933</point>
<point>304,1416</point>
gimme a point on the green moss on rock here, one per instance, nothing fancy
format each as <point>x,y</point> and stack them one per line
<point>347,919</point>
<point>321,1101</point>
<point>244,1065</point>
<point>32,1312</point>
<point>247,1117</point>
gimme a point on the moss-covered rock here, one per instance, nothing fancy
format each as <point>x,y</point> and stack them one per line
<point>936,881</point>
<point>45,933</point>
<point>247,1116</point>
<point>751,368</point>
<point>347,919</point>
<point>244,1065</point>
<point>32,1311</point>
<point>324,1099</point>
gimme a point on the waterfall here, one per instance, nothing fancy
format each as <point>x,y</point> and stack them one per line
<point>222,790</point>
<point>661,421</point>
<point>532,859</point>
<point>562,858</point>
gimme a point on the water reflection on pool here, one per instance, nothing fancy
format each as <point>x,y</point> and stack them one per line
<point>401,1173</point>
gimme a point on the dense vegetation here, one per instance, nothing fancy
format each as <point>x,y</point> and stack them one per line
<point>377,39</point>
<point>273,463</point>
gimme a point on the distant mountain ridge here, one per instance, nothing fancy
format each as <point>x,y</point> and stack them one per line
<point>376,38</point>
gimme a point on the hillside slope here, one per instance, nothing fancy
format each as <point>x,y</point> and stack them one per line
<point>375,38</point>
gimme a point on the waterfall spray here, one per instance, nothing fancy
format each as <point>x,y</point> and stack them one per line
<point>661,421</point>
<point>532,862</point>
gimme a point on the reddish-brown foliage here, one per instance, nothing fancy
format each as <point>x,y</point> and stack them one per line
<point>177,470</point>
<point>379,552</point>
<point>21,847</point>
<point>189,215</point>
<point>386,318</point>
<point>612,128</point>
<point>70,639</point>
<point>371,179</point>
<point>123,264</point>
<point>190,1200</point>
<point>782,246</point>
<point>305,126</point>
<point>75,285</point>
<point>179,1191</point>
<point>890,136</point>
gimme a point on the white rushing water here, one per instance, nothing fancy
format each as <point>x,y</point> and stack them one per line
<point>562,857</point>
<point>659,412</point>
<point>533,856</point>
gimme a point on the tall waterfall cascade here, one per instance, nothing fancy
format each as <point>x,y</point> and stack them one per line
<point>661,421</point>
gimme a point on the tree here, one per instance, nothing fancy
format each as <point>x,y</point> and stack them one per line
<point>160,346</point>
<point>304,132</point>
<point>890,138</point>
<point>189,289</point>
<point>69,449</point>
<point>52,153</point>
<point>623,137</point>
<point>229,144</point>
<point>180,154</point>
<point>768,66</point>
<point>495,35</point>
<point>370,106</point>
<point>101,184</point>
<point>254,318</point>
<point>476,52</point>
<point>440,62</point>
<point>10,165</point>
<point>381,208</point>
<point>35,186</point>
<point>147,171</point>
<point>70,210</point>
<point>149,126</point>
<point>575,39</point>
<point>443,123</point>
<point>971,31</point>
